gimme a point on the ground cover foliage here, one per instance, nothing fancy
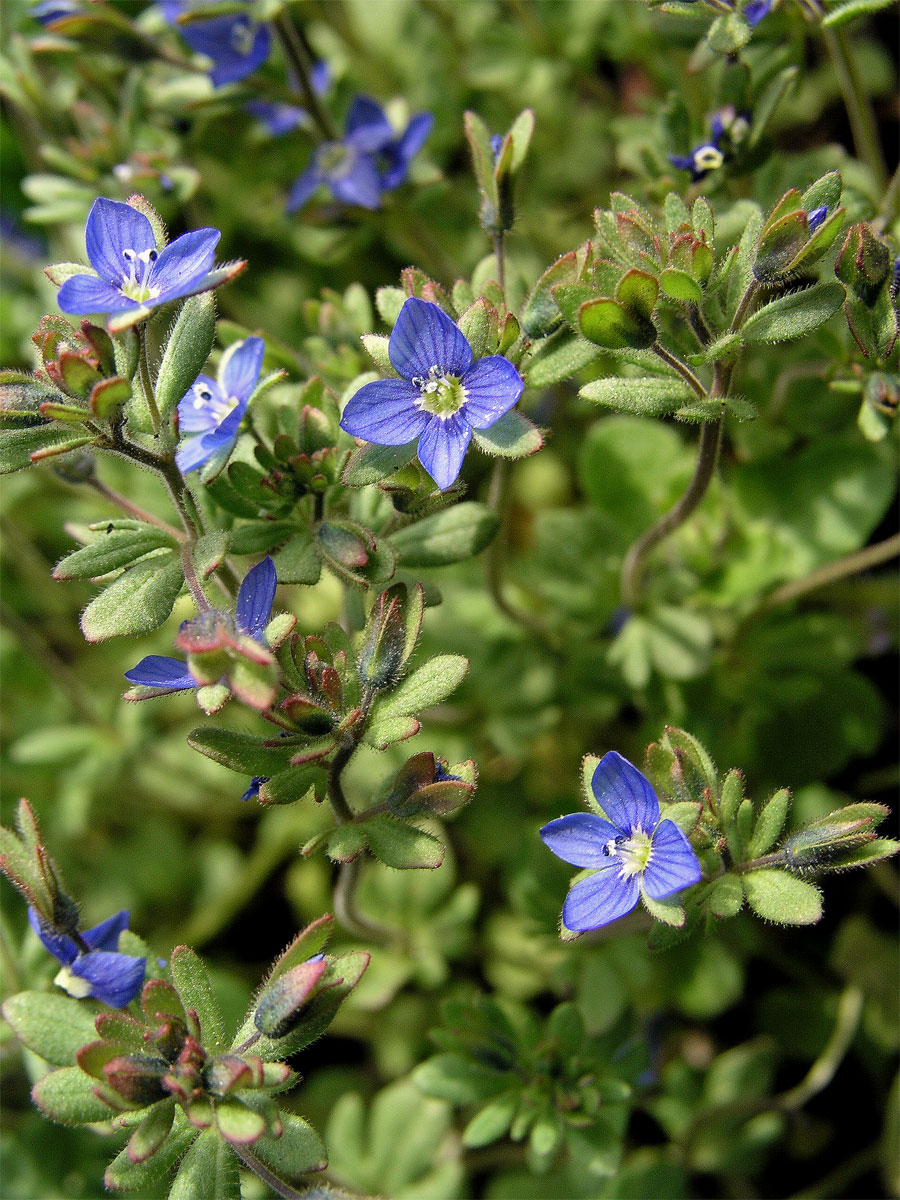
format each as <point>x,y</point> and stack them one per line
<point>450,469</point>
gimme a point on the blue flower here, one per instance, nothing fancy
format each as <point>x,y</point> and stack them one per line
<point>50,11</point>
<point>235,43</point>
<point>255,784</point>
<point>252,613</point>
<point>754,12</point>
<point>815,218</point>
<point>369,160</point>
<point>279,118</point>
<point>630,852</point>
<point>131,274</point>
<point>442,396</point>
<point>101,972</point>
<point>212,410</point>
<point>700,162</point>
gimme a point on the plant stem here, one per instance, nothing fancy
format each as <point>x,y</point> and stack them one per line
<point>179,494</point>
<point>501,261</point>
<point>635,559</point>
<point>683,370</point>
<point>298,58</point>
<point>498,496</point>
<point>146,378</point>
<point>190,576</point>
<point>133,510</point>
<point>336,797</point>
<point>857,103</point>
<point>890,205</point>
<point>852,564</point>
<point>823,1070</point>
<point>278,1186</point>
<point>346,911</point>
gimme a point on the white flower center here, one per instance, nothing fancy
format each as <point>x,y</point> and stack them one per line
<point>140,271</point>
<point>242,37</point>
<point>632,852</point>
<point>77,987</point>
<point>708,158</point>
<point>439,394</point>
<point>214,408</point>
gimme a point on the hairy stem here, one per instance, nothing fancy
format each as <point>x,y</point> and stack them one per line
<point>190,576</point>
<point>147,379</point>
<point>346,911</point>
<point>141,514</point>
<point>298,58</point>
<point>278,1186</point>
<point>501,260</point>
<point>336,797</point>
<point>852,564</point>
<point>683,370</point>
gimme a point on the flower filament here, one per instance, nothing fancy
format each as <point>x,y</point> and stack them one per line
<point>140,271</point>
<point>632,852</point>
<point>441,395</point>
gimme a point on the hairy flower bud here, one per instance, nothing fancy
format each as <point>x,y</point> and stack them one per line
<point>281,1005</point>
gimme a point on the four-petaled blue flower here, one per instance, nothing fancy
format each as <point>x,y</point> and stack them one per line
<point>442,396</point>
<point>629,852</point>
<point>236,44</point>
<point>252,613</point>
<point>212,410</point>
<point>369,160</point>
<point>131,274</point>
<point>101,972</point>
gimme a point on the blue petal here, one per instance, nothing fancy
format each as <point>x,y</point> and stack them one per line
<point>385,412</point>
<point>58,944</point>
<point>255,784</point>
<point>115,979</point>
<point>684,162</point>
<point>159,671</point>
<point>254,600</point>
<point>425,337</point>
<point>493,385</point>
<point>443,446</point>
<point>580,839</point>
<point>112,228</point>
<point>816,217</point>
<point>368,129</point>
<point>673,864</point>
<point>87,294</point>
<point>197,450</point>
<point>235,65</point>
<point>240,368</point>
<point>754,12</point>
<point>624,794</point>
<point>304,187</point>
<point>400,153</point>
<point>361,185</point>
<point>185,262</point>
<point>320,77</point>
<point>279,119</point>
<point>196,415</point>
<point>105,936</point>
<point>598,900</point>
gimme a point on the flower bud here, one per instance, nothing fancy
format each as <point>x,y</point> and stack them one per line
<point>864,262</point>
<point>390,635</point>
<point>137,1078</point>
<point>280,1008</point>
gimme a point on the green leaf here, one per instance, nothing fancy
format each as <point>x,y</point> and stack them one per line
<point>402,846</point>
<point>124,1175</point>
<point>344,844</point>
<point>725,896</point>
<point>428,685</point>
<point>299,1150</point>
<point>371,463</point>
<point>638,291</point>
<point>190,978</point>
<point>152,1131</point>
<point>111,551</point>
<point>769,823</point>
<point>18,445</point>
<point>513,436</point>
<point>678,285</point>
<point>382,732</point>
<point>782,898</point>
<point>458,1079</point>
<point>291,785</point>
<point>541,314</point>
<point>654,396</point>
<point>242,752</point>
<point>669,911</point>
<point>209,552</point>
<point>51,1025</point>
<point>449,536</point>
<point>492,1122</point>
<point>794,315</point>
<point>376,346</point>
<point>849,11</point>
<point>239,1124</point>
<point>188,346</point>
<point>298,561</point>
<point>67,1097</point>
<point>136,602</point>
<point>607,323</point>
<point>559,359</point>
<point>209,1171</point>
<point>728,34</point>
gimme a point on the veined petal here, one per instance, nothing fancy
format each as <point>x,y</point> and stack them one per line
<point>105,936</point>
<point>624,794</point>
<point>184,262</point>
<point>361,185</point>
<point>240,368</point>
<point>196,415</point>
<point>303,187</point>
<point>385,412</point>
<point>60,946</point>
<point>493,385</point>
<point>112,228</point>
<point>425,337</point>
<point>82,294</point>
<point>443,446</point>
<point>115,979</point>
<point>598,900</point>
<point>368,129</point>
<point>159,671</point>
<point>581,839</point>
<point>672,864</point>
<point>255,597</point>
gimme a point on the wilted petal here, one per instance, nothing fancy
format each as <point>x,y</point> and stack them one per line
<point>184,263</point>
<point>442,448</point>
<point>385,412</point>
<point>624,794</point>
<point>255,597</point>
<point>599,899</point>
<point>672,865</point>
<point>159,671</point>
<point>115,979</point>
<point>241,365</point>
<point>493,385</point>
<point>83,294</point>
<point>112,228</point>
<point>581,839</point>
<point>425,337</point>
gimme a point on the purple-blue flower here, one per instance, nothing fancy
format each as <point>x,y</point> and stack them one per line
<point>369,160</point>
<point>50,11</point>
<point>815,218</point>
<point>701,161</point>
<point>442,396</point>
<point>211,410</point>
<point>754,12</point>
<point>131,275</point>
<point>236,44</point>
<point>630,851</point>
<point>101,972</point>
<point>252,613</point>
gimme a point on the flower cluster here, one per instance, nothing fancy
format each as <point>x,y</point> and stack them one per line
<point>369,160</point>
